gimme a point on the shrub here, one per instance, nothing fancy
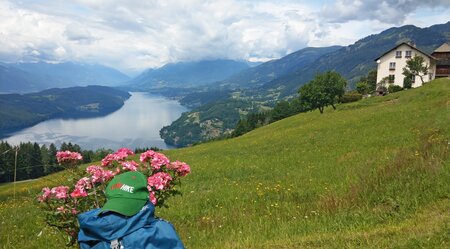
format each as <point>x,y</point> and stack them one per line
<point>350,97</point>
<point>394,88</point>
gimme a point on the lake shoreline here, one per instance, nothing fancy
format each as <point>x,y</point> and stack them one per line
<point>149,111</point>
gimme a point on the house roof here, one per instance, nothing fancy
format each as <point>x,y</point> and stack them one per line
<point>407,44</point>
<point>443,48</point>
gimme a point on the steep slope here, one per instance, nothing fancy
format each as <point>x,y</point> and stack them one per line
<point>357,59</point>
<point>185,74</point>
<point>352,62</point>
<point>372,174</point>
<point>28,77</point>
<point>271,70</point>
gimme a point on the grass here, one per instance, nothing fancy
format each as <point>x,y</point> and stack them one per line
<point>372,174</point>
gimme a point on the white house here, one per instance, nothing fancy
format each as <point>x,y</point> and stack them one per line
<point>391,64</point>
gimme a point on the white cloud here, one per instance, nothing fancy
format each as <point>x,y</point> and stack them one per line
<point>134,35</point>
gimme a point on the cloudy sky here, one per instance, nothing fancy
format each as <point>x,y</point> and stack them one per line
<point>133,35</point>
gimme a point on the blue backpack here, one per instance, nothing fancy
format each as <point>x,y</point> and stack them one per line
<point>114,231</point>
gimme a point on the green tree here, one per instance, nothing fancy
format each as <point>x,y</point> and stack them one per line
<point>281,110</point>
<point>407,81</point>
<point>416,66</point>
<point>362,88</point>
<point>7,154</point>
<point>371,80</point>
<point>37,168</point>
<point>53,163</point>
<point>45,159</point>
<point>324,90</point>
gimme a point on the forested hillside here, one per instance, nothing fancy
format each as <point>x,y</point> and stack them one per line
<point>18,111</point>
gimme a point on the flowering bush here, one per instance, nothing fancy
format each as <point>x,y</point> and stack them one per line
<point>86,189</point>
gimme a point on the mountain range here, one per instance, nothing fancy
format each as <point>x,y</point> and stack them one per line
<point>31,77</point>
<point>187,74</point>
<point>353,61</point>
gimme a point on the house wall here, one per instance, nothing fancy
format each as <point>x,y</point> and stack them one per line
<point>384,62</point>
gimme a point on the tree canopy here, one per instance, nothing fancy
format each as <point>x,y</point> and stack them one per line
<point>416,66</point>
<point>324,90</point>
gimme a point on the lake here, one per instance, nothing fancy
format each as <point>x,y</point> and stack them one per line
<point>136,124</point>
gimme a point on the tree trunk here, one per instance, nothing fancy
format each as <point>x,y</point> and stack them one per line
<point>421,78</point>
<point>333,106</point>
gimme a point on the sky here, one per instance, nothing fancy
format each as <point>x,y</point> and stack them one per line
<point>134,35</point>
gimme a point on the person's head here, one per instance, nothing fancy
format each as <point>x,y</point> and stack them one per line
<point>126,194</point>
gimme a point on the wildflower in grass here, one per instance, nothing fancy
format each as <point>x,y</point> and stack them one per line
<point>68,157</point>
<point>159,181</point>
<point>130,165</point>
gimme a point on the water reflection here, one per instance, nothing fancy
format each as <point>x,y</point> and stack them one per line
<point>136,124</point>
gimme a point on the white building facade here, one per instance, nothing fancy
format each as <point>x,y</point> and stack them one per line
<point>391,64</point>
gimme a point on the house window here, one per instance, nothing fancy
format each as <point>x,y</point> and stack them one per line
<point>391,78</point>
<point>413,79</point>
<point>408,54</point>
<point>398,54</point>
<point>391,65</point>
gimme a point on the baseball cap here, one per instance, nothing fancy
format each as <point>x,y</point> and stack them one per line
<point>126,193</point>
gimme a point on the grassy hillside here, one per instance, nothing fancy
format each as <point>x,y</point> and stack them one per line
<point>373,174</point>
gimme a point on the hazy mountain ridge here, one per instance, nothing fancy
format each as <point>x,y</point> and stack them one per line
<point>184,74</point>
<point>273,69</point>
<point>29,77</point>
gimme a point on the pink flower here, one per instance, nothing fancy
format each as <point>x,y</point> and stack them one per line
<point>152,198</point>
<point>184,169</point>
<point>120,155</point>
<point>98,174</point>
<point>147,156</point>
<point>181,168</point>
<point>59,192</point>
<point>84,183</point>
<point>159,181</point>
<point>68,156</point>
<point>130,165</point>
<point>158,161</point>
<point>78,192</point>
<point>46,192</point>
<point>125,151</point>
<point>74,211</point>
<point>108,160</point>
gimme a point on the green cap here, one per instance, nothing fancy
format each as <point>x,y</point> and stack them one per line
<point>126,193</point>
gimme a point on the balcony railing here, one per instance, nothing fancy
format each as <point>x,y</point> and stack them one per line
<point>441,71</point>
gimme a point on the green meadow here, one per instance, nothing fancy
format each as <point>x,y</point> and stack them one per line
<point>371,174</point>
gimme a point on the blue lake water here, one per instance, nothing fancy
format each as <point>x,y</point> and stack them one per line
<point>136,124</point>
